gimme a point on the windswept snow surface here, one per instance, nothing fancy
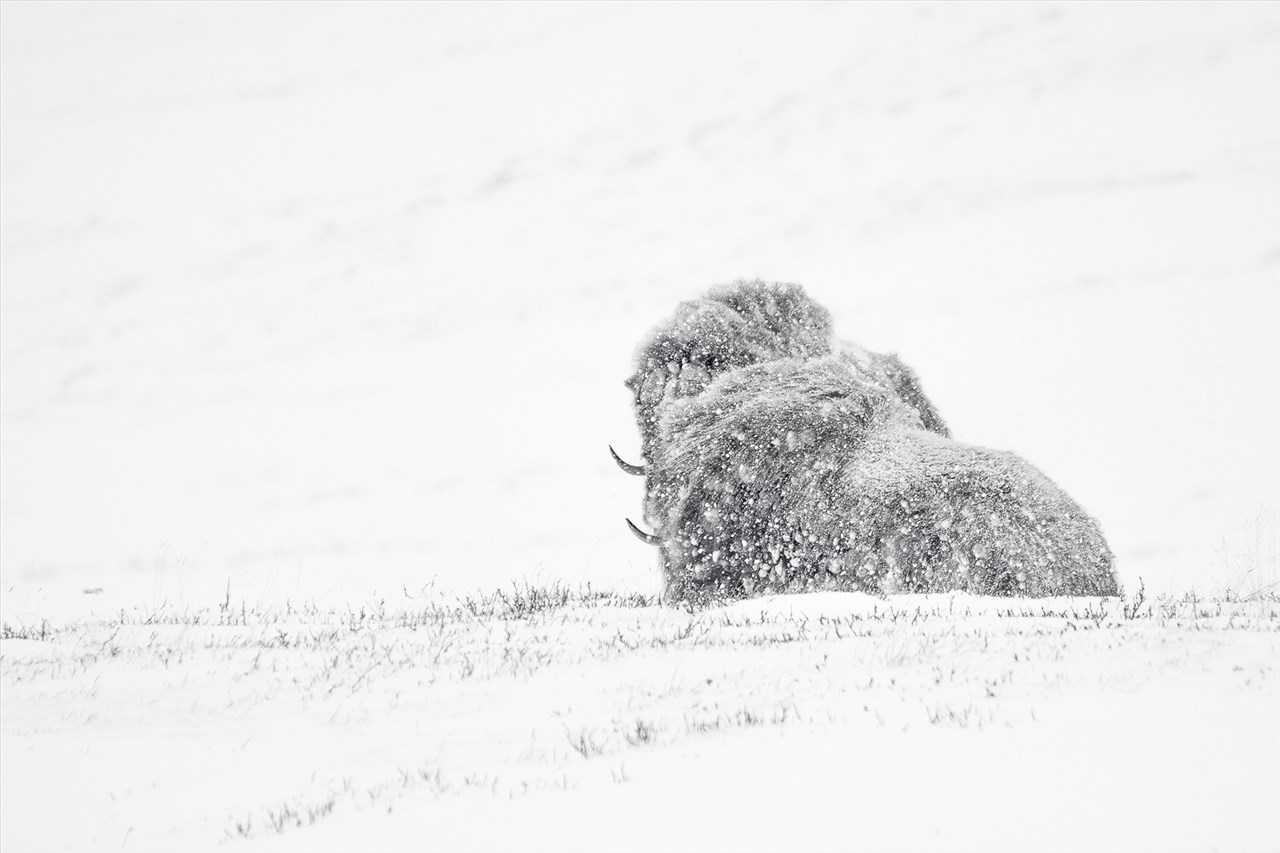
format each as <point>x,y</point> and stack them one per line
<point>325,300</point>
<point>319,307</point>
<point>829,721</point>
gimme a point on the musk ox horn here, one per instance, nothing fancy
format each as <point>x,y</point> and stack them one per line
<point>637,470</point>
<point>646,538</point>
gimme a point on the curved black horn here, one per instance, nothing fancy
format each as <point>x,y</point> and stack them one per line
<point>638,470</point>
<point>646,538</point>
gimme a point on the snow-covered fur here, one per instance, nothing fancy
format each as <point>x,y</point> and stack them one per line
<point>779,459</point>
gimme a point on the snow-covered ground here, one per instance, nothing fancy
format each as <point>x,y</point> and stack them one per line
<point>316,306</point>
<point>829,721</point>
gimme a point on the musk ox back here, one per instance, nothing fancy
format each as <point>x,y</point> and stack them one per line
<point>778,458</point>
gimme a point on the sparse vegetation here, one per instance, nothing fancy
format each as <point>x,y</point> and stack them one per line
<point>527,688</point>
<point>1251,561</point>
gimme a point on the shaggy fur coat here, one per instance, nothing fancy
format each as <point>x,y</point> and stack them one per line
<point>778,458</point>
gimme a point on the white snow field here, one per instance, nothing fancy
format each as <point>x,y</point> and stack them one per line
<point>553,722</point>
<point>314,320</point>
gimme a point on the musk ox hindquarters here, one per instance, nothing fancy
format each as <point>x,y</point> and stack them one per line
<point>778,458</point>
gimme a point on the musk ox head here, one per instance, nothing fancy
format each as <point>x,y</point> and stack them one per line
<point>778,458</point>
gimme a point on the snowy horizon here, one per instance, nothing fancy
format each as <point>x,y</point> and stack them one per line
<point>341,299</point>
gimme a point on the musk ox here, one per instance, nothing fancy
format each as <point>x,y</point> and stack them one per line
<point>778,458</point>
